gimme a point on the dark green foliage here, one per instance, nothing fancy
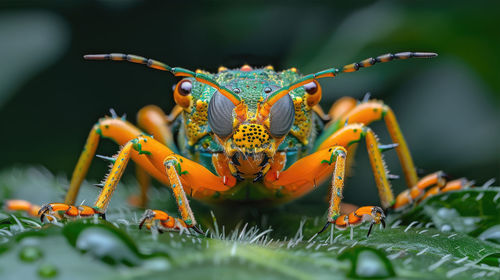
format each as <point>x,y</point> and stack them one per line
<point>410,248</point>
<point>474,212</point>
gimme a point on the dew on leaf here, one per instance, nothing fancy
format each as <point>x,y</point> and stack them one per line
<point>371,265</point>
<point>368,263</point>
<point>47,271</point>
<point>445,228</point>
<point>30,254</point>
<point>156,264</point>
<point>106,246</point>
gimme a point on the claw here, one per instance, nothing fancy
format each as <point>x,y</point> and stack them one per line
<point>324,228</point>
<point>141,223</point>
<point>378,214</point>
<point>370,229</point>
<point>198,230</point>
<point>148,215</point>
<point>45,208</point>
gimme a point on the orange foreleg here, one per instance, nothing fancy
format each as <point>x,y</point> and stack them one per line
<point>154,121</point>
<point>183,175</point>
<point>119,131</point>
<point>22,205</point>
<point>199,182</point>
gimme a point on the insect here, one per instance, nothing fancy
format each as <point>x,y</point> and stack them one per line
<point>249,135</point>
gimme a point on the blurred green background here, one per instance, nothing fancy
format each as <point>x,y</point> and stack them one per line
<point>448,107</point>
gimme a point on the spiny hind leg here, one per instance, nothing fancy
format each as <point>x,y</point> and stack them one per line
<point>429,185</point>
<point>371,110</point>
<point>142,146</point>
<point>304,174</point>
<point>349,136</point>
<point>154,121</point>
<point>181,173</point>
<point>150,154</point>
<point>102,202</point>
<point>118,130</point>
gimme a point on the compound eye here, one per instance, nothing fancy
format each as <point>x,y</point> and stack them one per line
<point>185,88</point>
<point>220,115</point>
<point>311,88</point>
<point>282,116</point>
<point>182,93</point>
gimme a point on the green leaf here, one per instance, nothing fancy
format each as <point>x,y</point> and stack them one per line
<point>284,248</point>
<point>472,211</point>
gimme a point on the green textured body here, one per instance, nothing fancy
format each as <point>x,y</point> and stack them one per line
<point>195,140</point>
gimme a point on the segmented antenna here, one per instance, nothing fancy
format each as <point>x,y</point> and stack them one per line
<point>151,63</point>
<point>176,71</point>
<point>385,58</point>
<point>333,72</point>
<point>265,107</point>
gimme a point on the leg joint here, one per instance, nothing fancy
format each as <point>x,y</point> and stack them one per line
<point>137,145</point>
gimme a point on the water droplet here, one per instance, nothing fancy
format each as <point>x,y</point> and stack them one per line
<point>446,213</point>
<point>158,264</point>
<point>30,254</point>
<point>47,271</point>
<point>106,245</point>
<point>370,265</point>
<point>445,228</point>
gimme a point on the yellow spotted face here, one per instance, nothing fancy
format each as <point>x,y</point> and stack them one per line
<point>250,136</point>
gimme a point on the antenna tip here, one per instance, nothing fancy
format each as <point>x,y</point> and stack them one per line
<point>425,54</point>
<point>96,56</point>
